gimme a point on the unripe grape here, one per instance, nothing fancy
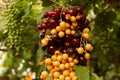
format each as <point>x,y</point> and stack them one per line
<point>54,57</point>
<point>65,72</point>
<point>59,58</point>
<point>64,61</point>
<point>75,61</point>
<point>67,16</point>
<point>62,66</point>
<point>68,31</point>
<point>67,78</point>
<point>74,24</point>
<point>74,78</point>
<point>72,64</point>
<point>42,62</point>
<point>78,17</point>
<point>73,32</point>
<point>87,56</point>
<point>80,50</point>
<point>62,24</point>
<point>89,47</point>
<point>61,34</point>
<point>86,30</point>
<point>67,65</point>
<point>44,42</point>
<point>56,74</point>
<point>57,52</point>
<point>67,25</point>
<point>48,61</point>
<point>57,68</point>
<point>65,56</point>
<point>56,63</point>
<point>61,77</point>
<point>85,36</point>
<point>58,28</point>
<point>73,19</point>
<point>49,67</point>
<point>44,74</point>
<point>70,59</point>
<point>53,31</point>
<point>72,73</point>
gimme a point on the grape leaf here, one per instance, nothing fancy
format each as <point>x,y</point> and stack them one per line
<point>46,3</point>
<point>26,54</point>
<point>78,2</point>
<point>82,72</point>
<point>93,76</point>
<point>39,56</point>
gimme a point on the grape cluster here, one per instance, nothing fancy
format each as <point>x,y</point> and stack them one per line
<point>68,32</point>
<point>60,66</point>
<point>16,29</point>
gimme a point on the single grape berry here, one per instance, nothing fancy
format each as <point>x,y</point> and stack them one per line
<point>89,47</point>
<point>42,34</point>
<point>52,49</point>
<point>75,42</point>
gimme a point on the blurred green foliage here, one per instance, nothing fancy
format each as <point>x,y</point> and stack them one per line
<point>104,16</point>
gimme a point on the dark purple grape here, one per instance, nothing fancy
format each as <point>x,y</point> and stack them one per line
<point>47,20</point>
<point>75,42</point>
<point>40,27</point>
<point>68,37</point>
<point>42,35</point>
<point>44,26</point>
<point>82,61</point>
<point>53,22</point>
<point>67,44</point>
<point>52,49</point>
<point>72,11</point>
<point>64,13</point>
<point>79,9</point>
<point>86,22</point>
<point>44,48</point>
<point>55,37</point>
<point>58,10</point>
<point>46,14</point>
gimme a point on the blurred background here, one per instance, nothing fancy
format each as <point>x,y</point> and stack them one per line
<point>20,43</point>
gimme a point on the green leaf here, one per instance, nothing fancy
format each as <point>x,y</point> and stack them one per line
<point>82,72</point>
<point>26,54</point>
<point>46,3</point>
<point>39,56</point>
<point>78,2</point>
<point>93,76</point>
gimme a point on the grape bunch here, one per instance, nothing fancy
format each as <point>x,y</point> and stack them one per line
<point>60,66</point>
<point>65,31</point>
<point>16,26</point>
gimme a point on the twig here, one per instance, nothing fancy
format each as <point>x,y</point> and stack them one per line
<point>107,7</point>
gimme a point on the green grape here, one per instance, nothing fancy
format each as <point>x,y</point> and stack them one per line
<point>16,28</point>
